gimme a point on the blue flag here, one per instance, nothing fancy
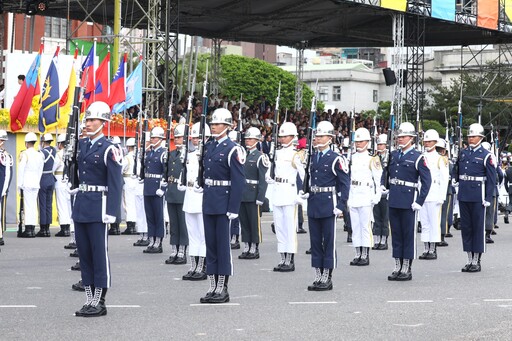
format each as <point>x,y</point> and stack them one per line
<point>133,90</point>
<point>50,97</point>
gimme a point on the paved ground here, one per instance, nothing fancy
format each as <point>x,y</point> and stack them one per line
<point>149,300</point>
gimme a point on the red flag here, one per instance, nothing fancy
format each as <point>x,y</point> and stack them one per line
<point>102,88</point>
<point>118,88</point>
<point>22,102</point>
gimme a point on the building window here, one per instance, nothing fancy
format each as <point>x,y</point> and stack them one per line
<point>323,93</point>
<point>55,27</point>
<point>375,96</point>
<point>336,93</point>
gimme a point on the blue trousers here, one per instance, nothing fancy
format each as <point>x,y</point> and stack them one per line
<point>235,227</point>
<point>218,248</point>
<point>45,197</point>
<point>154,207</point>
<point>92,244</point>
<point>402,232</point>
<point>472,226</point>
<point>322,235</point>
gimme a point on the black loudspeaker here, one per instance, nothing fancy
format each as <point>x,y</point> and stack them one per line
<point>389,76</point>
<point>404,78</point>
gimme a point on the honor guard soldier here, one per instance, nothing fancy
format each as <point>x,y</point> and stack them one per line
<point>430,213</point>
<point>347,225</point>
<point>476,178</point>
<point>235,223</point>
<point>174,199</point>
<point>30,170</point>
<point>97,203</point>
<point>61,191</point>
<point>153,192</point>
<point>365,180</point>
<point>114,227</point>
<point>193,208</point>
<point>407,167</point>
<point>129,188</point>
<point>447,207</point>
<point>328,194</point>
<point>381,209</point>
<point>6,163</point>
<point>285,196</point>
<point>47,186</point>
<point>508,188</point>
<point>491,211</point>
<point>256,167</point>
<point>141,222</point>
<point>224,182</point>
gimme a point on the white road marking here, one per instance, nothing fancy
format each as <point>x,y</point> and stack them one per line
<point>325,302</point>
<point>18,306</point>
<point>409,325</point>
<point>412,301</point>
<point>214,304</point>
<point>123,306</point>
<point>246,296</point>
<point>498,300</point>
<point>505,305</point>
<point>34,288</point>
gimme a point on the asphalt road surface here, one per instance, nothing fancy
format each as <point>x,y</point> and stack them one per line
<point>149,301</point>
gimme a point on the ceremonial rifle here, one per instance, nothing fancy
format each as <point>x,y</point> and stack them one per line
<point>391,129</point>
<point>21,213</point>
<point>136,148</point>
<point>142,149</point>
<point>275,132</point>
<point>239,129</point>
<point>168,139</point>
<point>186,136</point>
<point>70,171</point>
<point>309,142</point>
<point>459,133</point>
<point>202,129</point>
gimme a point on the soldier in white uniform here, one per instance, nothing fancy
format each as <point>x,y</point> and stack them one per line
<point>142,226</point>
<point>430,213</point>
<point>193,208</point>
<point>30,170</point>
<point>365,192</point>
<point>285,196</point>
<point>129,188</point>
<point>61,192</point>
<point>6,163</point>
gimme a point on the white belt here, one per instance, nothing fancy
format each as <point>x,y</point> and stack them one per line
<point>316,189</point>
<point>252,182</point>
<point>211,182</point>
<point>47,172</point>
<point>153,176</point>
<point>284,181</point>
<point>89,188</point>
<point>360,183</point>
<point>399,182</point>
<point>465,177</point>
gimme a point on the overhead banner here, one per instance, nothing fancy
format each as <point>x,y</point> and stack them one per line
<point>397,5</point>
<point>443,9</point>
<point>488,14</point>
<point>507,8</point>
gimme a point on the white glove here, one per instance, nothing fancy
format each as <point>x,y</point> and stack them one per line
<point>232,216</point>
<point>375,199</point>
<point>269,180</point>
<point>141,181</point>
<point>486,204</point>
<point>440,202</point>
<point>384,190</point>
<point>455,183</point>
<point>182,188</point>
<point>72,191</point>
<point>108,219</point>
<point>20,188</point>
<point>198,189</point>
<point>160,192</point>
<point>133,176</point>
<point>259,203</point>
<point>298,200</point>
<point>163,183</point>
<point>415,206</point>
<point>303,195</point>
<point>337,212</point>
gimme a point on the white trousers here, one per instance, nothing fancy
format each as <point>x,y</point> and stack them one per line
<point>360,219</point>
<point>430,215</point>
<point>195,229</point>
<point>63,203</point>
<point>129,203</point>
<point>30,200</point>
<point>285,222</point>
<point>142,225</point>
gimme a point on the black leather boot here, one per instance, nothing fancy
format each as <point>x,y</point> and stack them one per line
<point>41,232</point>
<point>114,230</point>
<point>29,232</point>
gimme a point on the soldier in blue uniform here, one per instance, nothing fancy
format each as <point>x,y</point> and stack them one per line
<point>256,166</point>
<point>476,178</point>
<point>6,163</point>
<point>329,189</point>
<point>224,182</point>
<point>97,203</point>
<point>153,192</point>
<point>381,210</point>
<point>47,186</point>
<point>490,212</point>
<point>407,166</point>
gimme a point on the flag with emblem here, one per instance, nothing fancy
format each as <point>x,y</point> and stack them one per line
<point>88,81</point>
<point>102,88</point>
<point>118,88</point>
<point>50,97</point>
<point>133,90</point>
<point>66,101</point>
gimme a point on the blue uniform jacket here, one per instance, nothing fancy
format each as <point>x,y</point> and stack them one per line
<point>330,171</point>
<point>476,164</point>
<point>153,170</point>
<point>410,167</point>
<point>48,179</point>
<point>221,163</point>
<point>100,166</point>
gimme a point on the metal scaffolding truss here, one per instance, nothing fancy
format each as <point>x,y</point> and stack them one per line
<point>466,11</point>
<point>215,55</point>
<point>398,65</point>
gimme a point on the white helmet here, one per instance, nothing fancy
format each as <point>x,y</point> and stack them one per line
<point>441,143</point>
<point>476,129</point>
<point>504,159</point>
<point>98,110</point>
<point>382,139</point>
<point>47,137</point>
<point>406,129</point>
<point>61,138</point>
<point>431,135</point>
<point>130,142</point>
<point>324,128</point>
<point>196,130</point>
<point>157,132</point>
<point>346,142</point>
<point>222,116</point>
<point>3,135</point>
<point>30,137</point>
<point>253,133</point>
<point>116,140</point>
<point>486,145</point>
<point>362,134</point>
<point>179,131</point>
<point>287,129</point>
<point>233,135</point>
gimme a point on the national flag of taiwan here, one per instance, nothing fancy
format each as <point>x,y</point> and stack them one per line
<point>133,90</point>
<point>118,88</point>
<point>87,82</point>
<point>50,97</point>
<point>22,102</point>
<point>102,88</point>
